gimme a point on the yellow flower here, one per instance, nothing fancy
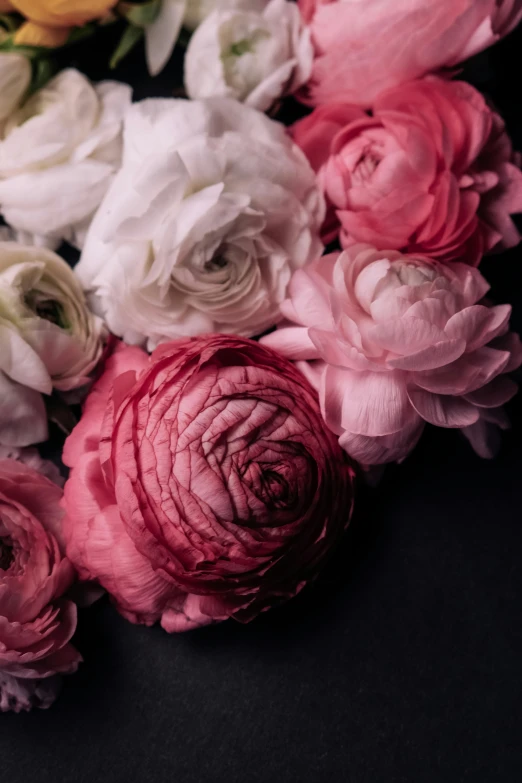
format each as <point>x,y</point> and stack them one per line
<point>31,34</point>
<point>62,13</point>
<point>49,21</point>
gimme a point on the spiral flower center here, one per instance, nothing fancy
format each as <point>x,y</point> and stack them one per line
<point>365,166</point>
<point>47,309</point>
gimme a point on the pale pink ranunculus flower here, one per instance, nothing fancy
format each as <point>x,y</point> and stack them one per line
<point>37,620</point>
<point>393,342</point>
<point>363,47</point>
<point>204,482</point>
<point>431,171</point>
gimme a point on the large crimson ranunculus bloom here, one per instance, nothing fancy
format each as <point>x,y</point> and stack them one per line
<point>205,484</point>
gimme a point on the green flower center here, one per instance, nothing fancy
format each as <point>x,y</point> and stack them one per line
<point>47,309</point>
<point>239,48</point>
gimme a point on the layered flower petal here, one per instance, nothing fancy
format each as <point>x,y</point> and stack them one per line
<point>431,171</point>
<point>36,620</point>
<point>401,340</point>
<point>215,489</point>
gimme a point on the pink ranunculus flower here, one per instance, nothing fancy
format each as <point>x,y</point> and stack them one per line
<point>395,341</point>
<point>36,619</point>
<point>365,47</point>
<point>205,484</point>
<point>431,171</point>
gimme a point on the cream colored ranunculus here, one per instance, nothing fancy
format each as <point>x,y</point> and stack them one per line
<point>58,154</point>
<point>48,338</point>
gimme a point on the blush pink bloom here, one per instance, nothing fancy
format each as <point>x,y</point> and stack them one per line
<point>392,342</point>
<point>431,171</point>
<point>205,484</point>
<point>363,47</point>
<point>36,620</point>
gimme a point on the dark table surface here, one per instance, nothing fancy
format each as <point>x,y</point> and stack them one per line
<point>403,663</point>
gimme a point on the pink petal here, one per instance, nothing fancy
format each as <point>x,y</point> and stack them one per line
<point>364,403</point>
<point>496,393</point>
<point>451,412</point>
<point>293,342</point>
<point>406,335</point>
<point>438,355</point>
<point>387,448</point>
<point>477,324</point>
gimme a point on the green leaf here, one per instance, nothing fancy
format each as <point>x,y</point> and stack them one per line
<point>9,22</point>
<point>128,41</point>
<point>29,51</point>
<point>140,14</point>
<point>43,71</point>
<point>80,33</point>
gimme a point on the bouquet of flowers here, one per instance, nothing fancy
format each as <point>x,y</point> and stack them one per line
<point>253,311</point>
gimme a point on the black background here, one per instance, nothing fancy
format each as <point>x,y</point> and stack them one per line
<point>403,663</point>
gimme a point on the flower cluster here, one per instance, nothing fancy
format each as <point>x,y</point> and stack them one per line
<point>232,374</point>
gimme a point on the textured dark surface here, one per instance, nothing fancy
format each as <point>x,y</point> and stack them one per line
<point>404,663</point>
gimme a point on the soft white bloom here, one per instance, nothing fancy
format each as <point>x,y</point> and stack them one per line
<point>254,57</point>
<point>161,35</point>
<point>58,154</point>
<point>213,209</point>
<point>48,338</point>
<point>15,77</point>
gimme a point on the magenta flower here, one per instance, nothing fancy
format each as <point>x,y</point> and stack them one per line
<point>215,489</point>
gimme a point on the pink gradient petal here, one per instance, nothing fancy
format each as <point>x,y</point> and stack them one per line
<point>451,412</point>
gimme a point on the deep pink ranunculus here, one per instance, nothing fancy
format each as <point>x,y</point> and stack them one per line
<point>393,342</point>
<point>363,47</point>
<point>205,484</point>
<point>36,620</point>
<point>430,171</point>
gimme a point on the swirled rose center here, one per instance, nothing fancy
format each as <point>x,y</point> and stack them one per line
<point>46,308</point>
<point>366,165</point>
<point>383,278</point>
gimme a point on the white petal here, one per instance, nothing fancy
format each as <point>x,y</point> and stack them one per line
<point>162,34</point>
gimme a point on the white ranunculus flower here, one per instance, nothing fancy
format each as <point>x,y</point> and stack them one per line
<point>254,57</point>
<point>213,209</point>
<point>48,338</point>
<point>15,77</point>
<point>58,154</point>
